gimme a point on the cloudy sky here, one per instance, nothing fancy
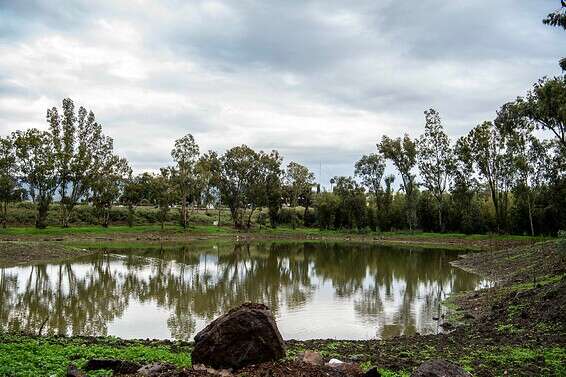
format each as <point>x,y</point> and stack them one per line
<point>320,81</point>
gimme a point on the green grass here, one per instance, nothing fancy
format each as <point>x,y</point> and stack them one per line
<point>23,356</point>
<point>282,230</point>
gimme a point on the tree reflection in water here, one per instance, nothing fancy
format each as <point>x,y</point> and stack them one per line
<point>316,290</point>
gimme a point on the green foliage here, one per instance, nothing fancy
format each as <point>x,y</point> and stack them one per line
<point>23,356</point>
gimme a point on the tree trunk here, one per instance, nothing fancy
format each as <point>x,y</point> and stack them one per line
<point>530,214</point>
<point>5,215</point>
<point>130,215</point>
<point>184,212</point>
<point>41,216</point>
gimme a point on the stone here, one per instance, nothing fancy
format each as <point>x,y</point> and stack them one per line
<point>212,371</point>
<point>439,368</point>
<point>117,366</point>
<point>73,371</point>
<point>313,358</point>
<point>348,369</point>
<point>155,369</point>
<point>373,372</point>
<point>245,335</point>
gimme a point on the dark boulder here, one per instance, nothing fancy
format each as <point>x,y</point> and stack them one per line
<point>117,366</point>
<point>243,336</point>
<point>439,368</point>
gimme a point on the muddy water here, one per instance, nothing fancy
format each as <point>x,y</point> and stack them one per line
<point>316,290</point>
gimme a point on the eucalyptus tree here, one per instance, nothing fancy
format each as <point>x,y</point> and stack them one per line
<point>186,154</point>
<point>465,184</point>
<point>528,154</point>
<point>352,208</point>
<point>493,163</point>
<point>545,105</point>
<point>370,170</point>
<point>236,177</point>
<point>80,146</point>
<point>36,157</point>
<point>403,154</point>
<point>435,160</point>
<point>10,190</point>
<point>268,187</point>
<point>299,181</point>
<point>163,192</point>
<point>208,168</point>
<point>133,194</point>
<point>108,184</point>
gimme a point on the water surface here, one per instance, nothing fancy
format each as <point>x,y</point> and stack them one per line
<point>316,290</point>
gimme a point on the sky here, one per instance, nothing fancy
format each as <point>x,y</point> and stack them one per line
<point>320,81</point>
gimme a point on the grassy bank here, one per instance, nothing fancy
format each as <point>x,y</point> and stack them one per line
<point>173,233</point>
<point>516,328</point>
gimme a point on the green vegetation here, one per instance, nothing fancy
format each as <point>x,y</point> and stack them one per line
<point>24,356</point>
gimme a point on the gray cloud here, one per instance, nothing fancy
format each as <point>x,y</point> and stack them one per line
<point>320,81</point>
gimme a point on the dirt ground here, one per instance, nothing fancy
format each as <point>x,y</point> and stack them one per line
<point>24,252</point>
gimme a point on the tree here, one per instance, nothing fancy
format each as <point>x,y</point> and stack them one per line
<point>132,194</point>
<point>163,192</point>
<point>487,148</point>
<point>528,154</point>
<point>186,154</point>
<point>558,19</point>
<point>546,106</point>
<point>370,170</point>
<point>269,188</point>
<point>108,184</point>
<point>352,208</point>
<point>326,204</point>
<point>403,154</point>
<point>10,190</point>
<point>435,160</point>
<point>37,164</point>
<point>238,171</point>
<point>299,181</point>
<point>208,167</point>
<point>465,184</point>
<point>79,146</point>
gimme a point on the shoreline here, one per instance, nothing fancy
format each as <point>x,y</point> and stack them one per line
<point>517,327</point>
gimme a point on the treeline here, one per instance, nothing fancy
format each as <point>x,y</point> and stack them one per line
<point>500,177</point>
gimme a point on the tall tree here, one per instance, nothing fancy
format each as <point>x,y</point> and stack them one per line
<point>10,190</point>
<point>208,167</point>
<point>238,172</point>
<point>487,147</point>
<point>370,170</point>
<point>37,163</point>
<point>268,185</point>
<point>80,146</point>
<point>186,154</point>
<point>403,154</point>
<point>435,160</point>
<point>528,154</point>
<point>299,181</point>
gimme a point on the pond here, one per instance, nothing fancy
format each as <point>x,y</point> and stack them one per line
<point>315,290</point>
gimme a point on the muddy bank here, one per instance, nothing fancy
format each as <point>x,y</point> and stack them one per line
<point>25,252</point>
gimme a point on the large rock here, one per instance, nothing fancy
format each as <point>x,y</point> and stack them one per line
<point>243,336</point>
<point>439,368</point>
